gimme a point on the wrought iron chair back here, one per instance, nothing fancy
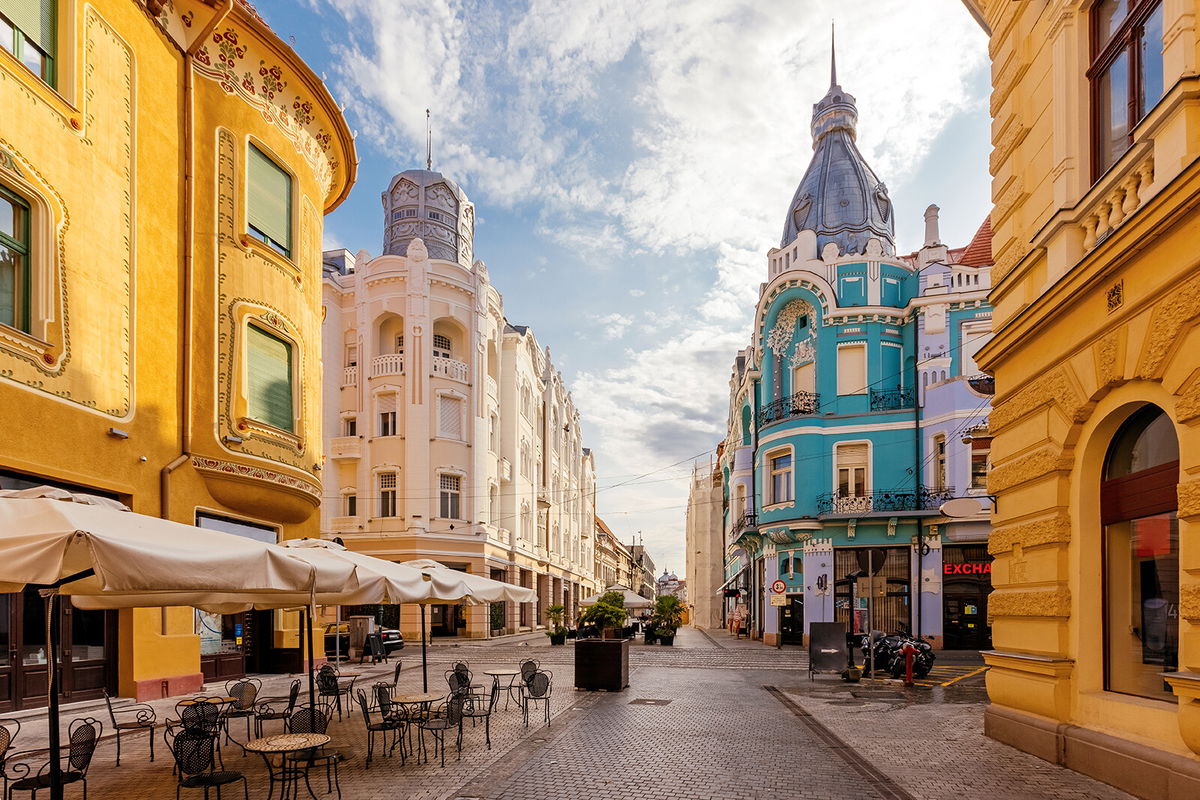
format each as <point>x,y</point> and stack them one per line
<point>203,715</point>
<point>83,737</point>
<point>193,751</point>
<point>538,684</point>
<point>458,680</point>
<point>308,719</point>
<point>244,692</point>
<point>9,728</point>
<point>327,681</point>
<point>383,698</point>
<point>528,667</point>
<point>454,708</point>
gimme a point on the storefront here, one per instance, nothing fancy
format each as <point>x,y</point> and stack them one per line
<point>88,642</point>
<point>966,583</point>
<point>875,581</point>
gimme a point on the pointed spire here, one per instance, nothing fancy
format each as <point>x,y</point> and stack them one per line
<point>832,53</point>
<point>428,142</point>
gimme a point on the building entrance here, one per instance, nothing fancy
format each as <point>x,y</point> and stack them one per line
<point>966,582</point>
<point>791,620</point>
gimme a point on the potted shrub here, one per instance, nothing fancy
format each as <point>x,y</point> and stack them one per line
<point>665,636</point>
<point>603,663</point>
<point>668,616</point>
<point>555,628</point>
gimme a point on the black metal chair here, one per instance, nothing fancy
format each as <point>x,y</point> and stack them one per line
<point>448,716</point>
<point>396,674</point>
<point>377,722</point>
<point>329,685</point>
<point>269,711</point>
<point>144,719</point>
<point>244,693</point>
<point>193,751</point>
<point>477,706</point>
<point>9,728</point>
<point>528,667</point>
<point>537,689</point>
<point>315,719</point>
<point>83,736</point>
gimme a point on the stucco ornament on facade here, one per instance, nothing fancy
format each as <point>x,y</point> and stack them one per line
<point>780,336</point>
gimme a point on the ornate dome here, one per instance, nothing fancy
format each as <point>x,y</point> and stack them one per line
<point>429,206</point>
<point>840,198</point>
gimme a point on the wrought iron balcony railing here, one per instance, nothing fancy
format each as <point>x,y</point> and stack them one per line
<point>744,523</point>
<point>891,400</point>
<point>984,384</point>
<point>801,404</point>
<point>885,501</point>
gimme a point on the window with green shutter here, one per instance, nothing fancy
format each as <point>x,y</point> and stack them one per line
<point>28,31</point>
<point>14,261</point>
<point>269,379</point>
<point>268,201</point>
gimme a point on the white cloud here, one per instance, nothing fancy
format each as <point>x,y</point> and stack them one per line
<point>660,127</point>
<point>614,325</point>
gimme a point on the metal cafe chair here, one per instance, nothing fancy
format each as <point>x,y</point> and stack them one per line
<point>315,719</point>
<point>9,728</point>
<point>83,736</point>
<point>144,719</point>
<point>328,685</point>
<point>244,693</point>
<point>536,690</point>
<point>447,717</point>
<point>193,751</point>
<point>377,722</point>
<point>269,711</point>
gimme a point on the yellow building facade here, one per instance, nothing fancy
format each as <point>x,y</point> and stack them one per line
<point>165,167</point>
<point>1096,290</point>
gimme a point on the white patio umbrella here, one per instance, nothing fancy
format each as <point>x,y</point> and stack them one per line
<point>465,588</point>
<point>103,555</point>
<point>632,599</point>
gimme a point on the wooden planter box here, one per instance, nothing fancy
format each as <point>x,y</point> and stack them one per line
<point>602,664</point>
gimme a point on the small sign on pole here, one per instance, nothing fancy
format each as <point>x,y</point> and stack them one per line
<point>779,587</point>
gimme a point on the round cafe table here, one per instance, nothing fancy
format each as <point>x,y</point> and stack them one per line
<point>421,700</point>
<point>496,675</point>
<point>289,771</point>
<point>206,698</point>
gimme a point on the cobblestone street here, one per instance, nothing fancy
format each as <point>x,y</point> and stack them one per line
<point>710,718</point>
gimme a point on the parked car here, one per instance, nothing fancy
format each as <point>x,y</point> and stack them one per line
<point>392,639</point>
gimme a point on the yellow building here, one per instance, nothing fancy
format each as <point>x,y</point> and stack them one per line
<point>1096,606</point>
<point>165,167</point>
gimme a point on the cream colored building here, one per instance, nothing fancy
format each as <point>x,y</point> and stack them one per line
<point>449,433</point>
<point>705,547</point>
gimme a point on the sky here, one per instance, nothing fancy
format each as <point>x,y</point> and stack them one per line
<point>631,163</point>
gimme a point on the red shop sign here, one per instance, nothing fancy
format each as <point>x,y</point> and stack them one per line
<point>967,569</point>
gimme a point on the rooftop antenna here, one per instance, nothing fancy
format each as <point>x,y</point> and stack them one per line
<point>832,53</point>
<point>428,142</point>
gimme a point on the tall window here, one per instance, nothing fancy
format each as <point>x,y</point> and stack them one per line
<point>441,346</point>
<point>1126,73</point>
<point>939,461</point>
<point>269,379</point>
<point>387,494</point>
<point>1138,507</point>
<point>268,202</point>
<point>450,424</point>
<point>351,356</point>
<point>27,30</point>
<point>14,261</point>
<point>351,505</point>
<point>981,454</point>
<point>387,415</point>
<point>451,495</point>
<point>852,369</point>
<point>804,378</point>
<point>852,470</point>
<point>350,426</point>
<point>781,477</point>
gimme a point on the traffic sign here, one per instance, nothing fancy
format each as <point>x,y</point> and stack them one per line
<point>779,587</point>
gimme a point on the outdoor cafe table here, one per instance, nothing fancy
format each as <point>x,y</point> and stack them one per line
<point>206,698</point>
<point>283,745</point>
<point>420,699</point>
<point>496,675</point>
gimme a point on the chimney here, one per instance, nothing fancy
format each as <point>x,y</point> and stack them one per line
<point>932,237</point>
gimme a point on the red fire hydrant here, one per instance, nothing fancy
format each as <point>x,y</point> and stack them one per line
<point>910,653</point>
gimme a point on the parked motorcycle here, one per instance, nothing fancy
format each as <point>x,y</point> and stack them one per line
<point>922,660</point>
<point>889,653</point>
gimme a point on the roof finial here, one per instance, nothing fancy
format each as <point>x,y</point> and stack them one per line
<point>428,142</point>
<point>832,53</point>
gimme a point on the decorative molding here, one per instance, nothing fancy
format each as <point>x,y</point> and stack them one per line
<point>785,325</point>
<point>1006,260</point>
<point>1010,199</point>
<point>204,463</point>
<point>1011,135</point>
<point>1055,388</point>
<point>1114,298</point>
<point>1189,498</point>
<point>1178,307</point>
<point>1043,602</point>
<point>1006,78</point>
<point>1038,464</point>
<point>1051,530</point>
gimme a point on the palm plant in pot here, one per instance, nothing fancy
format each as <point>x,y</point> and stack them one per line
<point>555,628</point>
<point>668,616</point>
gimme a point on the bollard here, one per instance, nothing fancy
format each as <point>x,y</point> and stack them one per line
<point>910,653</point>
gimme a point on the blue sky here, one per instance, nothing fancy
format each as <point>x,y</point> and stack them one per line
<point>631,162</point>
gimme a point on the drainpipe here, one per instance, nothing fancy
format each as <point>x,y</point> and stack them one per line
<point>189,202</point>
<point>916,388</point>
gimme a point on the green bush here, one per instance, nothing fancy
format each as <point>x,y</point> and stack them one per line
<point>668,614</point>
<point>608,612</point>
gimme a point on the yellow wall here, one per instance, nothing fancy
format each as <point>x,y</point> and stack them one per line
<point>103,158</point>
<point>1097,299</point>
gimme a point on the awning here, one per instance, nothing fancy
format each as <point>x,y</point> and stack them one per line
<point>725,585</point>
<point>632,599</point>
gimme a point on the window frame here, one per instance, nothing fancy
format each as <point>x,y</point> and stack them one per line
<point>863,389</point>
<point>49,73</point>
<point>265,329</point>
<point>22,296</point>
<point>1102,55</point>
<point>277,248</point>
<point>851,468</point>
<point>387,496</point>
<point>450,500</point>
<point>790,482</point>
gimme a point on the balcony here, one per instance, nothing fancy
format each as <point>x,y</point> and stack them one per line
<point>350,376</point>
<point>888,501</point>
<point>346,524</point>
<point>891,400</point>
<point>387,364</point>
<point>492,389</point>
<point>449,368</point>
<point>744,523</point>
<point>983,384</point>
<point>801,404</point>
<point>345,448</point>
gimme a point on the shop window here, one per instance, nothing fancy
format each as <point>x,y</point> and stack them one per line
<point>269,379</point>
<point>450,487</point>
<point>981,455</point>
<point>28,31</point>
<point>780,465</point>
<point>1126,73</point>
<point>1138,509</point>
<point>387,494</point>
<point>268,202</point>
<point>852,469</point>
<point>852,369</point>
<point>14,260</point>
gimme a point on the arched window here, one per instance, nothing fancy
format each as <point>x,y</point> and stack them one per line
<point>1138,505</point>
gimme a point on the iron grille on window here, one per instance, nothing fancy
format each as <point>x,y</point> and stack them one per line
<point>891,399</point>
